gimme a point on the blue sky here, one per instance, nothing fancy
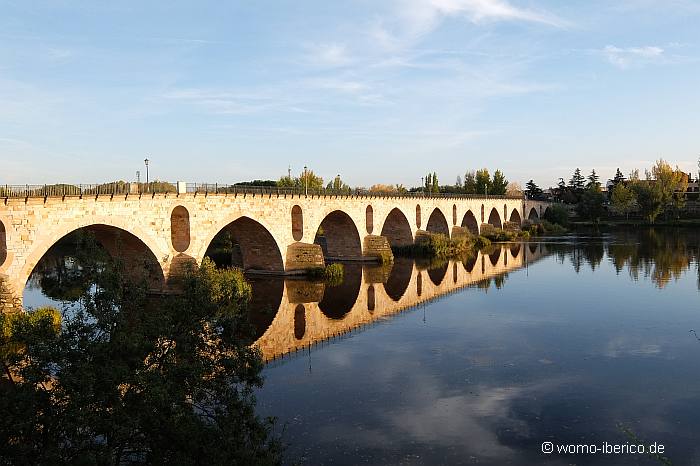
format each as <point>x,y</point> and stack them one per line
<point>377,91</point>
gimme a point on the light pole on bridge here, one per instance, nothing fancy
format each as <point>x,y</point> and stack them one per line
<point>306,182</point>
<point>146,162</point>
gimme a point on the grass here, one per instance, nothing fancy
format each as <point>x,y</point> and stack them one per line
<point>332,274</point>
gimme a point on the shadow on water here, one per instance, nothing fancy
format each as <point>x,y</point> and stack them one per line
<point>400,278</point>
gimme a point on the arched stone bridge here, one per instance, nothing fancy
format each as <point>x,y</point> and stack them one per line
<point>275,233</point>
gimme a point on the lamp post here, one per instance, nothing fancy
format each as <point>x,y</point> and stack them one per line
<point>422,185</point>
<point>306,182</point>
<point>146,162</point>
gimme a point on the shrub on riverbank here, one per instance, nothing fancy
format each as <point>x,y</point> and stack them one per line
<point>331,274</point>
<point>497,235</point>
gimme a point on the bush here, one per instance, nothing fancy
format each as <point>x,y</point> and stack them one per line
<point>557,214</point>
<point>332,274</point>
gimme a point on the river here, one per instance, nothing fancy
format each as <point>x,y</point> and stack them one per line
<point>588,339</point>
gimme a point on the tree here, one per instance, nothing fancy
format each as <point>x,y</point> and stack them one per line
<point>577,182</point>
<point>338,185</point>
<point>470,183</point>
<point>435,188</point>
<point>670,183</point>
<point>591,203</point>
<point>593,181</point>
<point>483,181</point>
<point>619,178</point>
<point>532,191</point>
<point>648,198</point>
<point>458,183</point>
<point>306,179</point>
<point>130,379</point>
<point>498,184</point>
<point>514,189</point>
<point>623,199</point>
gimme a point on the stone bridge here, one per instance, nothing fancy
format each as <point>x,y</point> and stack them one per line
<point>274,233</point>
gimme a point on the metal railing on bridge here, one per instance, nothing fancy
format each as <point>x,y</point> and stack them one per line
<point>161,187</point>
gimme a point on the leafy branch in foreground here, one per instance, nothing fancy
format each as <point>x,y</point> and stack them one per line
<point>124,378</point>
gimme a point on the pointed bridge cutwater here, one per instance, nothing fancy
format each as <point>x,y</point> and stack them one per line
<point>277,231</point>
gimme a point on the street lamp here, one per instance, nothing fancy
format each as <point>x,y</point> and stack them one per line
<point>146,162</point>
<point>306,182</point>
<point>422,184</point>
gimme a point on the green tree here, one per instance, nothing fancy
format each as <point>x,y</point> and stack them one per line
<point>623,199</point>
<point>593,180</point>
<point>129,379</point>
<point>619,178</point>
<point>338,185</point>
<point>648,198</point>
<point>435,187</point>
<point>306,179</point>
<point>591,203</point>
<point>577,182</point>
<point>483,181</point>
<point>470,183</point>
<point>499,184</point>
<point>671,185</point>
<point>532,191</point>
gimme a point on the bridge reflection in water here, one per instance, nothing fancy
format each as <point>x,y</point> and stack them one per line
<point>293,314</point>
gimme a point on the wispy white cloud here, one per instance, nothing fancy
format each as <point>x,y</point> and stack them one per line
<point>632,56</point>
<point>328,54</point>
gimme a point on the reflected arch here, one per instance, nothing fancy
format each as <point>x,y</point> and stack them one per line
<point>247,244</point>
<point>469,221</point>
<point>495,256</point>
<point>437,223</point>
<point>437,274</point>
<point>338,236</point>
<point>397,230</point>
<point>399,278</point>
<point>339,299</point>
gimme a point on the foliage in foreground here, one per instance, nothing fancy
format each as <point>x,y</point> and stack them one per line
<point>126,379</point>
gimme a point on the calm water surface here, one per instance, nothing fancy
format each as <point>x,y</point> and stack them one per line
<point>587,337</point>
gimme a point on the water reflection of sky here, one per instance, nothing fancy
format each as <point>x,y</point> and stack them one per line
<point>554,355</point>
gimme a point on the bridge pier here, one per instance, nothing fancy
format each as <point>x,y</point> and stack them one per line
<point>304,256</point>
<point>375,247</point>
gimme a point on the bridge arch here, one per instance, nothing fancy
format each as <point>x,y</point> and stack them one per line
<point>547,212</point>
<point>150,247</point>
<point>252,246</point>
<point>338,236</point>
<point>437,223</point>
<point>469,221</point>
<point>180,228</point>
<point>297,223</point>
<point>533,216</point>
<point>495,218</point>
<point>139,261</point>
<point>396,229</point>
<point>369,219</point>
<point>515,217</point>
<point>3,243</point>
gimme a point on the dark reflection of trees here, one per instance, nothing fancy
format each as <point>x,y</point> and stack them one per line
<point>338,300</point>
<point>437,273</point>
<point>661,255</point>
<point>399,278</point>
<point>264,303</point>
